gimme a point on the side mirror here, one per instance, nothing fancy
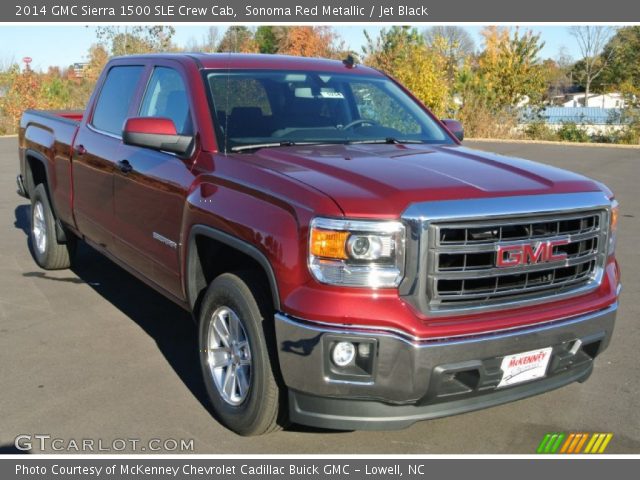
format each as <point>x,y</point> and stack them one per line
<point>454,127</point>
<point>157,133</point>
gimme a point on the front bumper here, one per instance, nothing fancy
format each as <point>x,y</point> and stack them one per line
<point>414,380</point>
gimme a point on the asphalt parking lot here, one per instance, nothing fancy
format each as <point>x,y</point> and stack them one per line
<point>92,353</point>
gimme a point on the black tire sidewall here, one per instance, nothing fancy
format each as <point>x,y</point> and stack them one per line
<point>40,195</point>
<point>229,290</point>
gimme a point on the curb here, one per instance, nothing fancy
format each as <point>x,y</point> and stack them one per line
<point>14,135</point>
<point>549,142</point>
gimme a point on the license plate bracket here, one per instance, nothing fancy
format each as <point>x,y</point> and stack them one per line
<point>525,366</point>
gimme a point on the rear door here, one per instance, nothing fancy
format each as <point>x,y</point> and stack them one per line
<point>97,150</point>
<point>150,199</point>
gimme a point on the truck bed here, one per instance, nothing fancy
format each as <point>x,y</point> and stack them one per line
<point>75,115</point>
<point>50,134</point>
<point>61,124</point>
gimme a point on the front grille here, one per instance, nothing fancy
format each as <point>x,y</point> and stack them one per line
<point>462,268</point>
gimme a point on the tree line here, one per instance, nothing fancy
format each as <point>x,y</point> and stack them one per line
<point>483,86</point>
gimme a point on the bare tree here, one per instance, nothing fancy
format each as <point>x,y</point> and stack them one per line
<point>591,41</point>
<point>452,42</point>
<point>213,37</point>
<point>6,63</point>
<point>208,43</point>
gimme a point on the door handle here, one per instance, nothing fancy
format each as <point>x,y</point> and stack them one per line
<point>125,166</point>
<point>80,150</point>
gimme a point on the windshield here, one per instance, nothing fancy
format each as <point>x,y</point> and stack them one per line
<point>256,109</point>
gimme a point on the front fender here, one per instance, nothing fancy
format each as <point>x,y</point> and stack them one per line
<point>262,224</point>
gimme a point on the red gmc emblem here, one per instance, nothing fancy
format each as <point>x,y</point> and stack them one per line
<point>528,254</point>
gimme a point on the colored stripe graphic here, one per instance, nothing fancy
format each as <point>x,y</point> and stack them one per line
<point>558,442</point>
<point>582,441</point>
<point>605,443</point>
<point>567,442</point>
<point>543,443</point>
<point>551,443</point>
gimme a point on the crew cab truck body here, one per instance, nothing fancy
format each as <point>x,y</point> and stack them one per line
<point>350,265</point>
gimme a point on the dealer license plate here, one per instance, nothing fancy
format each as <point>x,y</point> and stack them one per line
<point>523,367</point>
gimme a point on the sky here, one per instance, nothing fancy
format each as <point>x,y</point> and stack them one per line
<point>65,45</point>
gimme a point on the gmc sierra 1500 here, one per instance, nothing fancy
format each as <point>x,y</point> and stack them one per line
<point>349,264</point>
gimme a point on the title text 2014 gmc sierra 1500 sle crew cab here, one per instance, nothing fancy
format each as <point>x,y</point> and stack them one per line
<point>349,264</point>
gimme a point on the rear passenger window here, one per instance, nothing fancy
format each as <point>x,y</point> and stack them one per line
<point>166,96</point>
<point>115,98</point>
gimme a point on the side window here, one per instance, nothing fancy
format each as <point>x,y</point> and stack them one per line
<point>115,98</point>
<point>166,96</point>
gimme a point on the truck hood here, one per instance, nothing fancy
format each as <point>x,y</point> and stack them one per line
<point>383,180</point>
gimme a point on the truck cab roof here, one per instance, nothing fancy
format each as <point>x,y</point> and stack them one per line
<point>258,61</point>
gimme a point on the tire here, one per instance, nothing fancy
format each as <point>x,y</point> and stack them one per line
<point>47,251</point>
<point>254,404</point>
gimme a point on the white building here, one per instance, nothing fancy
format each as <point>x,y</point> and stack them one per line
<point>597,100</point>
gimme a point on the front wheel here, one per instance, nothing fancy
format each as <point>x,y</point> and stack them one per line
<point>47,251</point>
<point>237,354</point>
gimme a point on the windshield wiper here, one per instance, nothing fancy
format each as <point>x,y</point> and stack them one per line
<point>291,143</point>
<point>283,143</point>
<point>387,140</point>
<point>255,146</point>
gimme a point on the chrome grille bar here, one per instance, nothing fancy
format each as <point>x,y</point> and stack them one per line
<point>452,250</point>
<point>463,269</point>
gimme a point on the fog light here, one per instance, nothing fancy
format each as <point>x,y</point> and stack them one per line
<point>343,354</point>
<point>364,349</point>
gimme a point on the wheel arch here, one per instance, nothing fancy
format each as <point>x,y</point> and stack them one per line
<point>37,172</point>
<point>203,243</point>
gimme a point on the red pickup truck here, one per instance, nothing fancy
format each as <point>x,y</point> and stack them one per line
<point>349,264</point>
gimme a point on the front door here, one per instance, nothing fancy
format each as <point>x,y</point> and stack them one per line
<point>150,198</point>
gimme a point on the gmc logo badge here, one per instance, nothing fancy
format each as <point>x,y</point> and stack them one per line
<point>528,254</point>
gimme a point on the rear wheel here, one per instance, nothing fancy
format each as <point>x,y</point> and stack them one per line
<point>237,354</point>
<point>47,251</point>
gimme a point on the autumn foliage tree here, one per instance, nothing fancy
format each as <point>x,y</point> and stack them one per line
<point>451,42</point>
<point>22,93</point>
<point>304,41</point>
<point>622,72</point>
<point>98,58</point>
<point>28,89</point>
<point>238,39</point>
<point>137,39</point>
<point>403,53</point>
<point>309,41</point>
<point>506,74</point>
<point>510,66</point>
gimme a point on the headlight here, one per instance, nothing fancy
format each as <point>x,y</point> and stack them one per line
<point>613,227</point>
<point>357,253</point>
